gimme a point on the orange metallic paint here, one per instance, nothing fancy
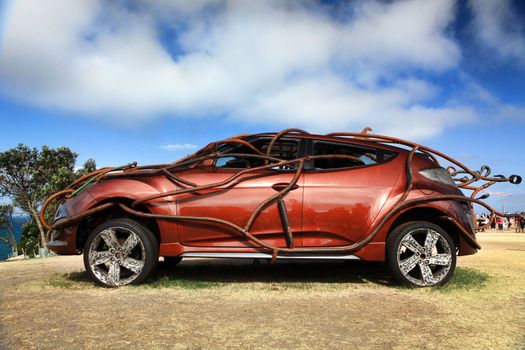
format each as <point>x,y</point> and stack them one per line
<point>328,208</point>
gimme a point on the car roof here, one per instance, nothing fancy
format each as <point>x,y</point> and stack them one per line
<point>341,139</point>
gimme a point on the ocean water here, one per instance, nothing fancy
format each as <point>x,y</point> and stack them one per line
<point>5,250</point>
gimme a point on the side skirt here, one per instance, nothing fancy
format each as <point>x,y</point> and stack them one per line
<point>268,256</point>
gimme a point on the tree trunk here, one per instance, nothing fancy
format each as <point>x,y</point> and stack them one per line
<point>14,249</point>
<point>43,240</point>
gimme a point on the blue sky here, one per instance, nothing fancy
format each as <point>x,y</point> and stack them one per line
<point>152,80</point>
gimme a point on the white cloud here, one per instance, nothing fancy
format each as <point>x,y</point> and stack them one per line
<point>179,147</point>
<point>496,26</point>
<point>489,107</point>
<point>337,104</point>
<point>513,112</point>
<point>262,62</point>
<point>405,32</point>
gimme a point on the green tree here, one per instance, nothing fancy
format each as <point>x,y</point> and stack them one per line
<point>7,232</point>
<point>89,166</point>
<point>29,175</point>
<point>30,240</point>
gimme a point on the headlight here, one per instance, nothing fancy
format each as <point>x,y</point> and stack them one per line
<point>61,212</point>
<point>440,175</point>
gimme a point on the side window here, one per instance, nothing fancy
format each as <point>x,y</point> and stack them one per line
<point>357,156</point>
<point>286,149</point>
<point>232,162</point>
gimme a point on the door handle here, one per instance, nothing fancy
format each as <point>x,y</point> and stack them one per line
<point>282,185</point>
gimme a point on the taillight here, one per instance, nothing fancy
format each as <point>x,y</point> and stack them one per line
<point>440,175</point>
<point>471,221</point>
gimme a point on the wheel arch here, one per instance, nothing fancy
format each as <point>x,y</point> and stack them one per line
<point>432,215</point>
<point>88,224</point>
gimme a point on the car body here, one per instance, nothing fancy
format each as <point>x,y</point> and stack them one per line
<point>347,192</point>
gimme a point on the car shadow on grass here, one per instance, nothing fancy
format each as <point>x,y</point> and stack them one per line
<point>201,273</point>
<point>289,273</point>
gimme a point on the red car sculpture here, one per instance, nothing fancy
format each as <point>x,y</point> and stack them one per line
<point>286,195</point>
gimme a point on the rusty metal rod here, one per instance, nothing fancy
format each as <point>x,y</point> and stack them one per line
<point>285,222</point>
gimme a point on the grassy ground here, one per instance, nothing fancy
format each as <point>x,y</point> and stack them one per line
<point>51,303</point>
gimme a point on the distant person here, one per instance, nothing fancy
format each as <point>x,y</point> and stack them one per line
<point>499,220</point>
<point>479,220</point>
<point>484,221</point>
<point>493,224</point>
<point>522,222</point>
<point>517,223</point>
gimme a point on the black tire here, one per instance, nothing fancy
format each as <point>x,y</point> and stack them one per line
<point>120,252</point>
<point>171,261</point>
<point>414,261</point>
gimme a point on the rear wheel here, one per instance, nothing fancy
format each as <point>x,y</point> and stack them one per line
<point>421,254</point>
<point>120,252</point>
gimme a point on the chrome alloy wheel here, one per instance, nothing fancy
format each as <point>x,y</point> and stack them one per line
<point>116,256</point>
<point>424,257</point>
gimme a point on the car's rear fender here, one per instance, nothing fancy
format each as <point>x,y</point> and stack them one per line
<point>439,214</point>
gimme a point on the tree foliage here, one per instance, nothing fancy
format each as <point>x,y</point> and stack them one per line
<point>89,166</point>
<point>29,175</point>
<point>30,240</point>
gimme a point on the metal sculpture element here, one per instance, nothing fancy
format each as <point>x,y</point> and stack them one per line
<point>464,177</point>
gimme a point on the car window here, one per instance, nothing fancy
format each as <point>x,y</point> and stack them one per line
<point>286,149</point>
<point>232,162</point>
<point>283,149</point>
<point>358,156</point>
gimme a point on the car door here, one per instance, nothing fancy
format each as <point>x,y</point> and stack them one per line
<point>343,196</point>
<point>236,204</point>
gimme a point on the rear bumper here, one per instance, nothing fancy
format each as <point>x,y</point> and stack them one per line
<point>462,219</point>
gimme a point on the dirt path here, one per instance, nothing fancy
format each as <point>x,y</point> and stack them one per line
<point>239,305</point>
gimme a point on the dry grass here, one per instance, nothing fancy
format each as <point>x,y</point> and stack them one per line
<point>51,303</point>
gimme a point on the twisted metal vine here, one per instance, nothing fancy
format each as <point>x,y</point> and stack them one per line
<point>464,177</point>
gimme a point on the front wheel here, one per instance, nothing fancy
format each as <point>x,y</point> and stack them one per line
<point>120,252</point>
<point>421,254</point>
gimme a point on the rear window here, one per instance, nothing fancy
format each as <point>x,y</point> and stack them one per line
<point>357,155</point>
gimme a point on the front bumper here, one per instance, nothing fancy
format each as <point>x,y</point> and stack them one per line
<point>63,241</point>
